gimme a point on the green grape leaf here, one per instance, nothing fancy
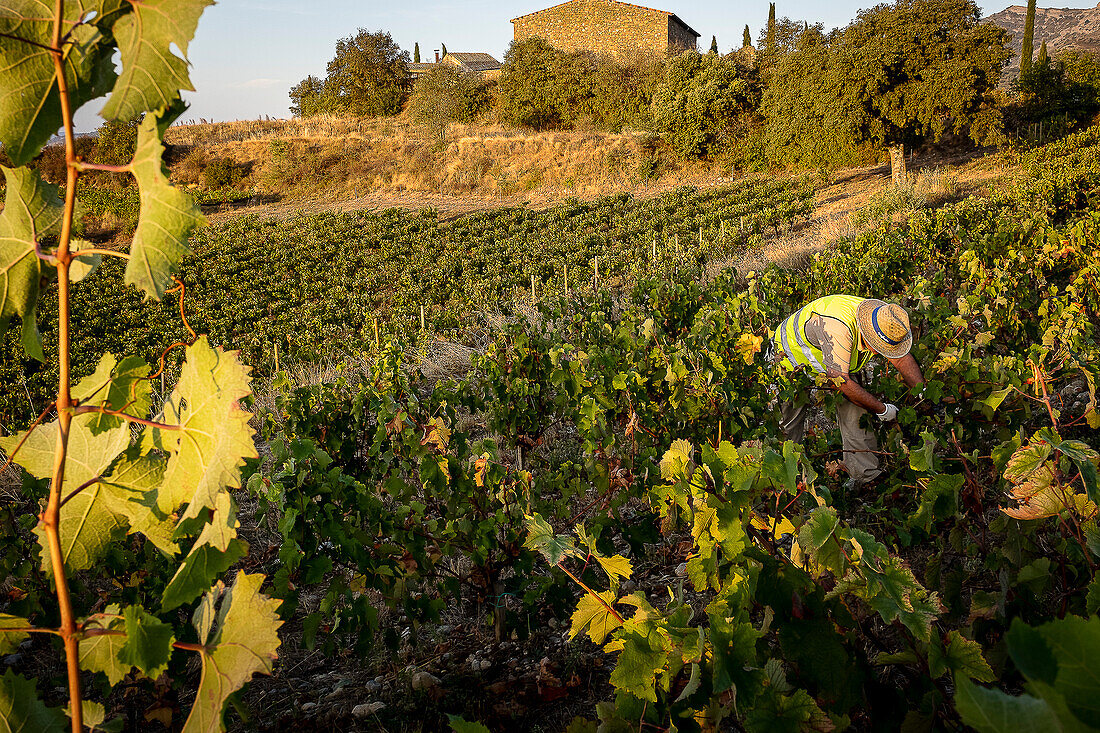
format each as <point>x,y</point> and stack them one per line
<point>82,266</point>
<point>541,539</point>
<point>641,658</point>
<point>148,642</point>
<point>996,397</point>
<point>1075,643</point>
<point>10,640</point>
<point>818,529</point>
<point>677,458</point>
<point>961,656</point>
<point>1084,458</point>
<point>214,552</point>
<point>22,712</point>
<point>131,492</point>
<point>1032,654</point>
<point>893,591</point>
<point>992,711</point>
<point>167,214</point>
<point>152,75</point>
<point>94,716</point>
<point>32,212</point>
<point>593,616</point>
<point>1092,598</point>
<point>87,524</point>
<point>939,500</point>
<point>99,653</point>
<point>782,469</point>
<point>118,387</point>
<point>1026,461</point>
<point>241,642</point>
<point>460,725</point>
<point>214,437</point>
<point>30,106</point>
<point>920,459</point>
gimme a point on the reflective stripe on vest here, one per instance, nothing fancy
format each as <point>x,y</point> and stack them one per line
<point>791,333</point>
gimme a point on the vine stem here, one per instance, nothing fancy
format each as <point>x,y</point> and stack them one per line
<point>51,516</point>
<point>124,416</point>
<point>593,593</point>
<point>100,251</point>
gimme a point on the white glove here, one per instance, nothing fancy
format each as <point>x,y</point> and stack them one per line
<point>889,414</point>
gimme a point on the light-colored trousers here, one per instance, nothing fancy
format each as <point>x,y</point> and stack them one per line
<point>862,466</point>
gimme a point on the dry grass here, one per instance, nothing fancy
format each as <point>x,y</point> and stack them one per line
<point>346,157</point>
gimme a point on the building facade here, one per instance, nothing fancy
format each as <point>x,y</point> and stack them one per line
<point>606,26</point>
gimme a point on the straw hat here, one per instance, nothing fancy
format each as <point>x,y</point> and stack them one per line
<point>885,328</point>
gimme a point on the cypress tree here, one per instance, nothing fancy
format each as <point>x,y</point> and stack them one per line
<point>416,53</point>
<point>444,51</point>
<point>1043,58</point>
<point>714,44</point>
<point>1029,37</point>
<point>769,43</point>
<point>746,39</point>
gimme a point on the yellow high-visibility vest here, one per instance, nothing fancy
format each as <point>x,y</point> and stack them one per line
<point>791,333</point>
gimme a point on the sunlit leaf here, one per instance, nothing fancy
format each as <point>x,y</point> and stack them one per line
<point>152,74</point>
<point>167,214</point>
<point>241,642</point>
<point>594,617</point>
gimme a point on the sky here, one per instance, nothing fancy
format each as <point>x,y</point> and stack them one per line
<point>247,54</point>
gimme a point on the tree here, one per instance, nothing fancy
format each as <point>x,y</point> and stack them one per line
<point>910,71</point>
<point>785,34</point>
<point>1044,57</point>
<point>701,98</point>
<point>368,76</point>
<point>444,95</point>
<point>746,37</point>
<point>769,39</point>
<point>1029,37</point>
<point>713,44</point>
<point>416,53</point>
<point>310,97</point>
<point>444,50</point>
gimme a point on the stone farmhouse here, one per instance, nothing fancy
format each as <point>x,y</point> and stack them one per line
<point>481,64</point>
<point>607,26</point>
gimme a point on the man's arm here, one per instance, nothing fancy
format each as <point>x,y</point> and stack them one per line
<point>909,369</point>
<point>855,392</point>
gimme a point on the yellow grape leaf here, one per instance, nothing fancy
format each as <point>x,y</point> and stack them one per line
<point>595,617</point>
<point>748,346</point>
<point>1044,503</point>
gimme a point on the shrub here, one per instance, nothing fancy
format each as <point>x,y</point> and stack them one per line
<point>116,142</point>
<point>221,173</point>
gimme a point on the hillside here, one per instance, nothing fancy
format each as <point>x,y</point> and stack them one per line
<point>1061,28</point>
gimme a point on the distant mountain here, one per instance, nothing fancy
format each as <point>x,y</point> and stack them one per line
<point>1061,28</point>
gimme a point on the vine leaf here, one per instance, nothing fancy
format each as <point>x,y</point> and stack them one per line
<point>541,539</point>
<point>22,712</point>
<point>30,106</point>
<point>961,655</point>
<point>87,525</point>
<point>152,76</point>
<point>148,642</point>
<point>992,711</point>
<point>117,386</point>
<point>461,725</point>
<point>10,640</point>
<point>642,657</point>
<point>94,716</point>
<point>593,616</point>
<point>167,214</point>
<point>32,211</point>
<point>214,436</point>
<point>238,642</point>
<point>99,653</point>
<point>131,492</point>
<point>214,552</point>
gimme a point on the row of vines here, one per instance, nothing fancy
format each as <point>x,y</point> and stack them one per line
<point>591,438</point>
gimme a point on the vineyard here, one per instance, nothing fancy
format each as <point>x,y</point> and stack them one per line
<point>261,286</point>
<point>611,465</point>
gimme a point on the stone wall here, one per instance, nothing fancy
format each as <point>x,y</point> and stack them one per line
<point>604,26</point>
